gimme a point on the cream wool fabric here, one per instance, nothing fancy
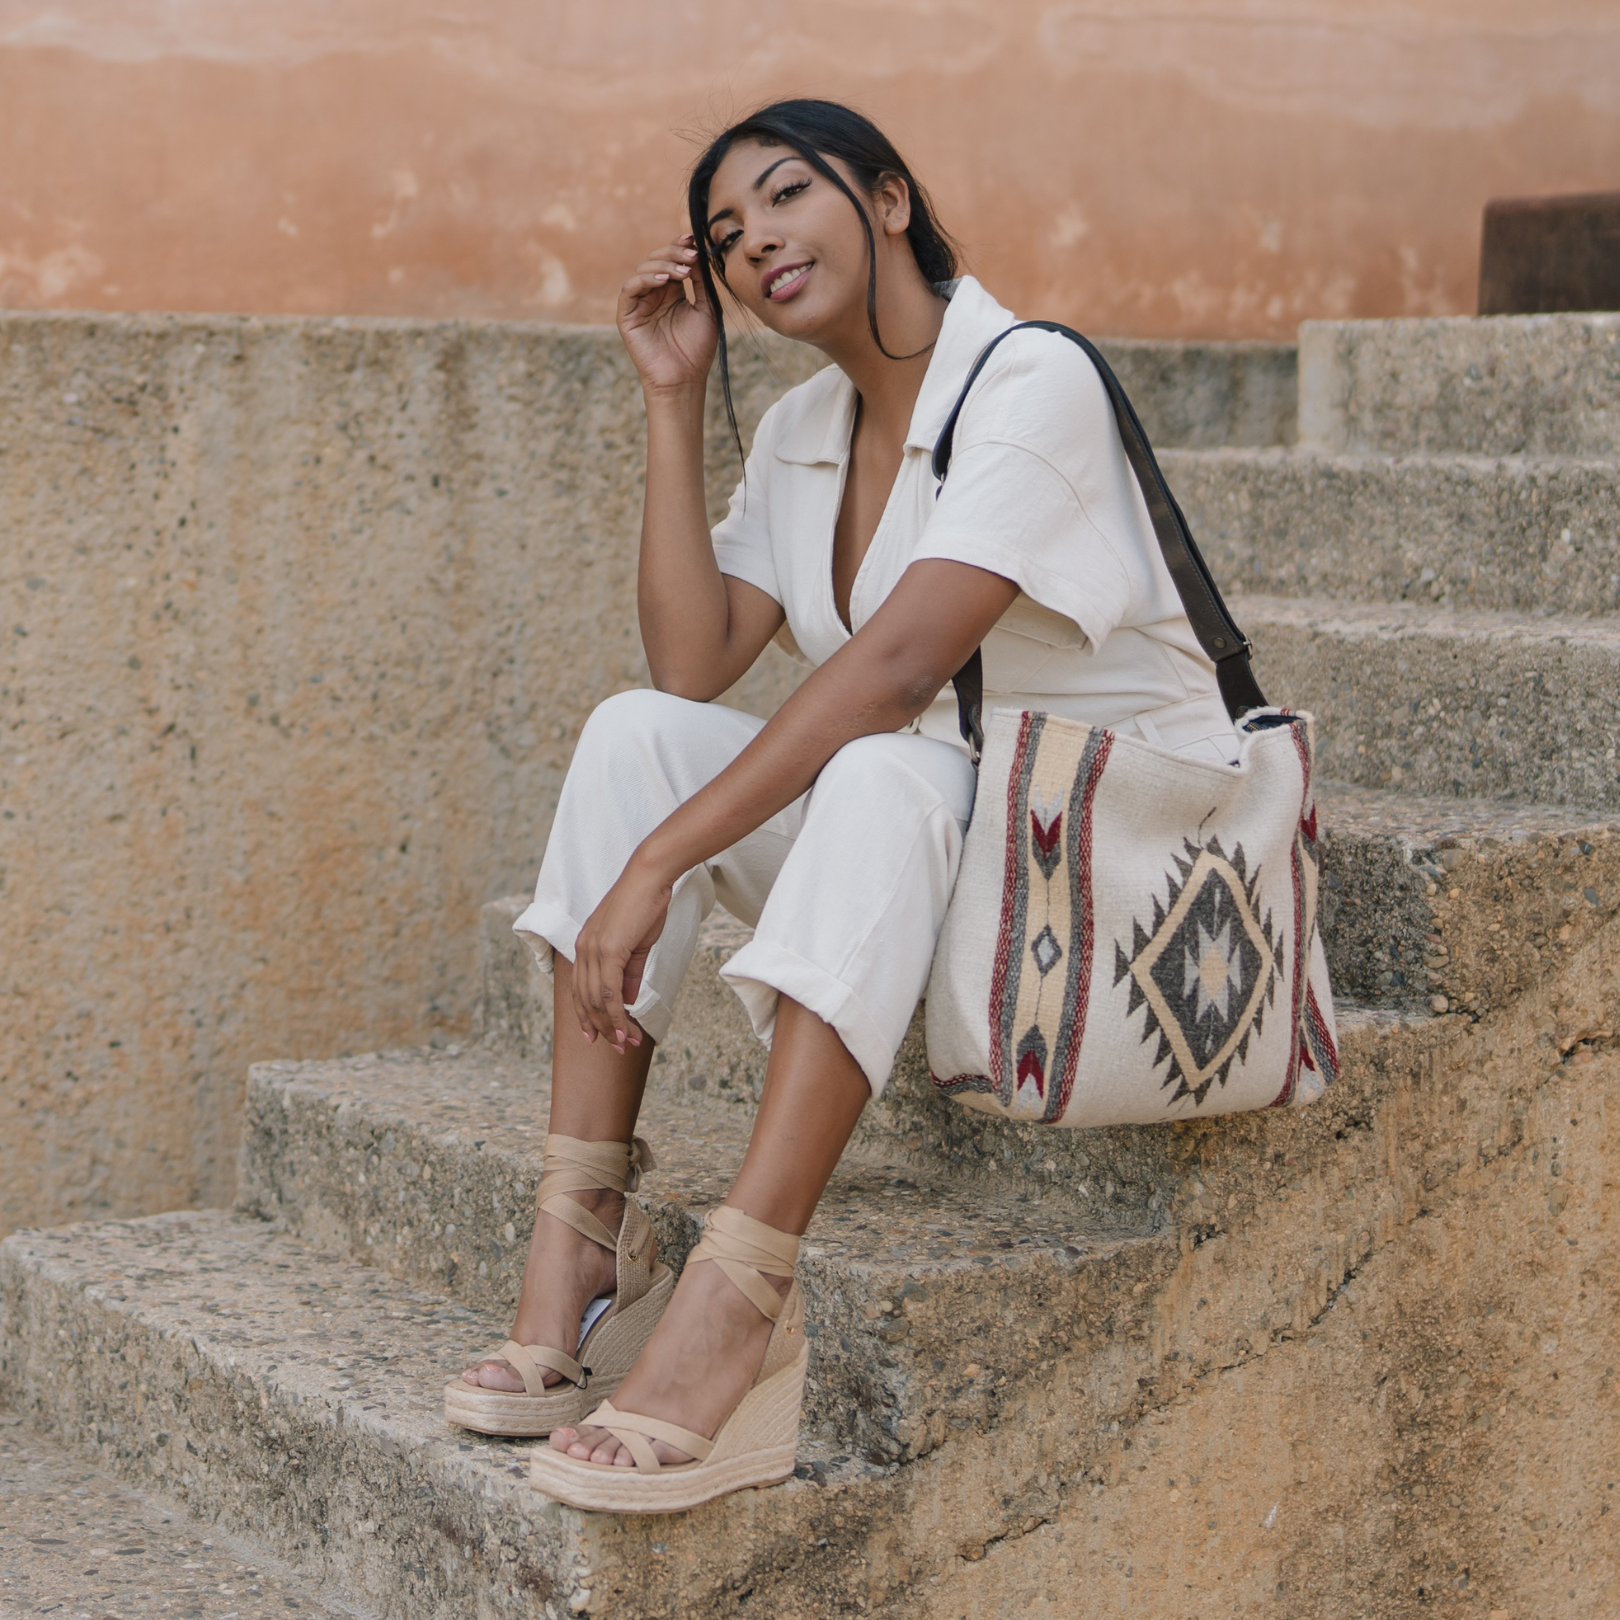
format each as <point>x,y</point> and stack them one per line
<point>846,888</point>
<point>1040,492</point>
<point>1134,934</point>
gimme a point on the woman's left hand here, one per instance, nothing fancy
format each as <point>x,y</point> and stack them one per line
<point>611,953</point>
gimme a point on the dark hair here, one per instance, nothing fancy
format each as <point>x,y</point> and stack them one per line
<point>818,130</point>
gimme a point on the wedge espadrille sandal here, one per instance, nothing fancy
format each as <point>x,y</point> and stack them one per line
<point>757,1445</point>
<point>613,1330</point>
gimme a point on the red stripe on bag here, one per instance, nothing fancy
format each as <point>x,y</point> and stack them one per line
<point>1059,1102</point>
<point>1301,944</point>
<point>1005,945</point>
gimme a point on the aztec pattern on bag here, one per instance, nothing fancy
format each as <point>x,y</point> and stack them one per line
<point>1156,953</point>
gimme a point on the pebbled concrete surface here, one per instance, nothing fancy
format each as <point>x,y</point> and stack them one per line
<point>1199,395</point>
<point>1539,385</point>
<point>78,1543</point>
<point>426,1165</point>
<point>1525,535</point>
<point>1432,701</point>
<point>1442,1441</point>
<point>200,1350</point>
<point>1473,900</point>
<point>301,620</point>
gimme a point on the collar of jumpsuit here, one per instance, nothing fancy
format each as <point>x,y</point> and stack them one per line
<point>1039,492</point>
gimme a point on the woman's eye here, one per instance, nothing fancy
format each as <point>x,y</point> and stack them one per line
<point>791,190</point>
<point>726,243</point>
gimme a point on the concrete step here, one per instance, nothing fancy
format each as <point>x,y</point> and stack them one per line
<point>286,1388</point>
<point>1472,900</point>
<point>1439,701</point>
<point>1199,395</point>
<point>75,1540</point>
<point>1507,386</point>
<point>1515,534</point>
<point>290,1389</point>
<point>271,1385</point>
<point>426,1163</point>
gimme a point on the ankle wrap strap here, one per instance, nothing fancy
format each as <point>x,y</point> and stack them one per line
<point>743,1248</point>
<point>573,1165</point>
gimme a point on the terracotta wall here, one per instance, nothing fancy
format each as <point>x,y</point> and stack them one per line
<point>1193,168</point>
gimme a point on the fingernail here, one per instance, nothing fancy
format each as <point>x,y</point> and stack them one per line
<point>691,253</point>
<point>661,276</point>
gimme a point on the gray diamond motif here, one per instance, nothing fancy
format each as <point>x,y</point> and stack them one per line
<point>1046,950</point>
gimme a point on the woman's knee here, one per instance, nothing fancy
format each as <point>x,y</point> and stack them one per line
<point>629,720</point>
<point>878,767</point>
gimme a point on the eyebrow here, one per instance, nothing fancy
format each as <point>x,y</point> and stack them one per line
<point>725,213</point>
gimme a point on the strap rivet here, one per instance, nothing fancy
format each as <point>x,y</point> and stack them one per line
<point>1220,641</point>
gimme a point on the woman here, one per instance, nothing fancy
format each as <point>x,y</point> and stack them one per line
<point>836,826</point>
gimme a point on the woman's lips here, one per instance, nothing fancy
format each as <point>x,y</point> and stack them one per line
<point>779,290</point>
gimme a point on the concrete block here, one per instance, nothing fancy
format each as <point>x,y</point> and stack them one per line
<point>78,1540</point>
<point>1431,701</point>
<point>1199,395</point>
<point>302,619</point>
<point>1536,385</point>
<point>1523,535</point>
<point>273,1383</point>
<point>426,1165</point>
<point>1474,901</point>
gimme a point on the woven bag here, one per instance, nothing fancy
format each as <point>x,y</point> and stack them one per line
<point>1133,934</point>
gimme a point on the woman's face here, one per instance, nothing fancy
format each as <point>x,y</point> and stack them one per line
<point>789,243</point>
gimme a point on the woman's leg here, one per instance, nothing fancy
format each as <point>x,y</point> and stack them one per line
<point>849,931</point>
<point>595,1096</point>
<point>641,754</point>
<point>709,1344</point>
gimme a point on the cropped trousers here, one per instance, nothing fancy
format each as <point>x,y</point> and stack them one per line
<point>846,888</point>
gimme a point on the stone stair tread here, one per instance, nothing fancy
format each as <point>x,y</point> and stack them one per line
<point>1432,820</point>
<point>1520,533</point>
<point>1414,618</point>
<point>76,1540</point>
<point>494,1103</point>
<point>1462,462</point>
<point>334,1372</point>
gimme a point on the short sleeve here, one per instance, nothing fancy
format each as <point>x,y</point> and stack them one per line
<point>1039,490</point>
<point>742,541</point>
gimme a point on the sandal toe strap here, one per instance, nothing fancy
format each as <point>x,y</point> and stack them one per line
<point>530,1360</point>
<point>634,1432</point>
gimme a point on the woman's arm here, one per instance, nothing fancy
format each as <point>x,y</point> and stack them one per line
<point>702,630</point>
<point>879,681</point>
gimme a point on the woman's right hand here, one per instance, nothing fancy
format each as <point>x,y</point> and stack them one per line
<point>671,341</point>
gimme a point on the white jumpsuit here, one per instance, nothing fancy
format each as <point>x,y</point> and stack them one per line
<point>847,887</point>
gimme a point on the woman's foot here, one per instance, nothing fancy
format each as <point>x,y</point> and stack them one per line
<point>699,1363</point>
<point>564,1272</point>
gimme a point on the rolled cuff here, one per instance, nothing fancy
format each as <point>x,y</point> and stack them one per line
<point>545,928</point>
<point>763,970</point>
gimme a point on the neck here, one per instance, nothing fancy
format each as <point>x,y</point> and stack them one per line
<point>909,316</point>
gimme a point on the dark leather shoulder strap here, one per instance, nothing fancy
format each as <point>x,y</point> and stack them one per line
<point>1217,631</point>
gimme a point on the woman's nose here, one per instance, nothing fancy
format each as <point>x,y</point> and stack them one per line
<point>762,243</point>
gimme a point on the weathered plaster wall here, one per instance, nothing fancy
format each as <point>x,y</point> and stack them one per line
<point>300,620</point>
<point>1201,168</point>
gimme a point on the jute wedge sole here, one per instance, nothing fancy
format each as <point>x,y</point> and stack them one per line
<point>609,1350</point>
<point>756,1445</point>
